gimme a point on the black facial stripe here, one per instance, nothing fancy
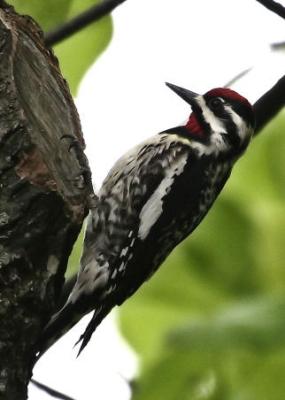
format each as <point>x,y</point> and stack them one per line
<point>220,113</point>
<point>232,131</point>
<point>244,112</point>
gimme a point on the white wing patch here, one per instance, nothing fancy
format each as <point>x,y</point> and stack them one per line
<point>124,251</point>
<point>152,209</point>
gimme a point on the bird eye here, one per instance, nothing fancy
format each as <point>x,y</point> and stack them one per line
<point>215,103</point>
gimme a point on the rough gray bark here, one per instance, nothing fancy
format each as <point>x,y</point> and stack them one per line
<point>45,193</point>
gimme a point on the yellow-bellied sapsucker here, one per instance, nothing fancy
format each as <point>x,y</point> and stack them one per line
<point>154,197</point>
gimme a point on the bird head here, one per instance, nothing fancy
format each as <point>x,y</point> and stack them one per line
<point>222,120</point>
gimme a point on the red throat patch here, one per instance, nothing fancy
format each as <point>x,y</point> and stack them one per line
<point>194,126</point>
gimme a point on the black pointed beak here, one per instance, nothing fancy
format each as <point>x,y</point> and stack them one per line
<point>185,94</point>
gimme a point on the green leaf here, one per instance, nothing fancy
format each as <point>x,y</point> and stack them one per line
<point>79,51</point>
<point>174,377</point>
<point>236,375</point>
<point>172,295</point>
<point>76,53</point>
<point>237,354</point>
<point>47,14</point>
<point>250,325</point>
<point>74,259</point>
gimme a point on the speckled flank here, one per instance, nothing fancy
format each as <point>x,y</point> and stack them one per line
<point>152,198</point>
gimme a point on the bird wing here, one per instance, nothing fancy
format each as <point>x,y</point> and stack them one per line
<point>130,202</point>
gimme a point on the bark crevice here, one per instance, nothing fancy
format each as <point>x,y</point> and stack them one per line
<point>45,192</point>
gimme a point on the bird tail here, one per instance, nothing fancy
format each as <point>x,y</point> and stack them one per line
<point>98,316</point>
<point>59,324</point>
<point>64,320</point>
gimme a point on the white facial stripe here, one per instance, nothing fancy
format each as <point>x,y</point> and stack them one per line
<point>215,124</point>
<point>152,209</point>
<point>242,128</point>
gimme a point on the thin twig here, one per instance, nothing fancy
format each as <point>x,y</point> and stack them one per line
<point>278,45</point>
<point>50,391</point>
<point>273,6</point>
<point>268,105</point>
<point>238,77</point>
<point>81,21</point>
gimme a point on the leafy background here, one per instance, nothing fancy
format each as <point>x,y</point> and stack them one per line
<point>211,325</point>
<point>79,51</point>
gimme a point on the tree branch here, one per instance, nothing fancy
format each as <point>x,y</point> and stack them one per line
<point>81,21</point>
<point>269,104</point>
<point>273,6</point>
<point>54,393</point>
<point>238,77</point>
<point>44,194</point>
<point>278,45</point>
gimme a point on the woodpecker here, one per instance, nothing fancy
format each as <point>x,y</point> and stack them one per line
<point>152,199</point>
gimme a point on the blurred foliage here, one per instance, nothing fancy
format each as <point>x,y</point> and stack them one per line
<point>78,52</point>
<point>47,17</point>
<point>211,323</point>
<point>74,259</point>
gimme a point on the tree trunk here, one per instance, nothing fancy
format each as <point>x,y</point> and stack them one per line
<point>45,193</point>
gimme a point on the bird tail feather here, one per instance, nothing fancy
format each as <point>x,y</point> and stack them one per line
<point>98,316</point>
<point>59,324</point>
